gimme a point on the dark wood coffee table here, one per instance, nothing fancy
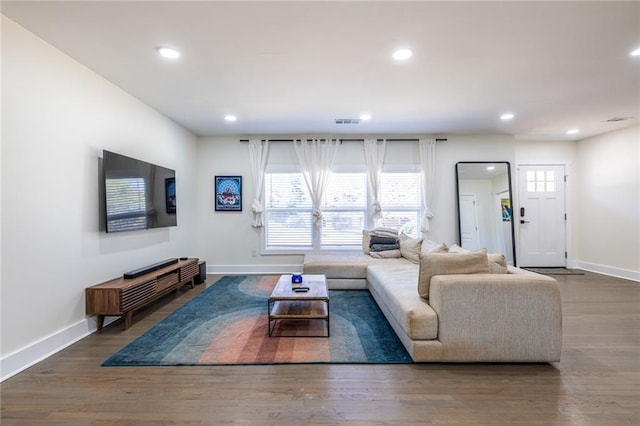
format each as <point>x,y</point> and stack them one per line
<point>287,304</point>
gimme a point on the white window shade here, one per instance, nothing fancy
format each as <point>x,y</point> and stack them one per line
<point>400,199</point>
<point>288,212</point>
<point>344,210</point>
<point>289,229</point>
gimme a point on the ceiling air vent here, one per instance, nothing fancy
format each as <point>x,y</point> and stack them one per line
<point>616,119</point>
<point>347,121</point>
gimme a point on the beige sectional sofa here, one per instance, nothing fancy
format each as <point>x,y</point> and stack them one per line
<point>480,317</point>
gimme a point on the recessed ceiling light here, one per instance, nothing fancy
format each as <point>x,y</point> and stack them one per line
<point>507,116</point>
<point>402,54</point>
<point>573,131</point>
<point>365,117</point>
<point>636,52</point>
<point>230,117</point>
<point>168,52</point>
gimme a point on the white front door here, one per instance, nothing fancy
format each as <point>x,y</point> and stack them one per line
<point>541,216</point>
<point>469,238</point>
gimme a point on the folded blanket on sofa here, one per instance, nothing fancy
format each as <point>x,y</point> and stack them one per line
<point>382,240</point>
<point>384,232</point>
<point>384,247</point>
<point>386,254</point>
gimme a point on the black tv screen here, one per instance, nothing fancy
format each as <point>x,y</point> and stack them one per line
<point>137,194</point>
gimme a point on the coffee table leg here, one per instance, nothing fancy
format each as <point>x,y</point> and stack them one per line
<point>269,316</point>
<point>328,321</point>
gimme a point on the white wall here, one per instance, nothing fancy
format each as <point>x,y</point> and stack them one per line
<point>608,199</point>
<point>226,240</point>
<point>57,116</point>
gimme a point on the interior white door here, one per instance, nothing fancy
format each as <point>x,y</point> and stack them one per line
<point>541,216</point>
<point>469,237</point>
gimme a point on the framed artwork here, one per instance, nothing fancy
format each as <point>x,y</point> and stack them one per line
<point>170,194</point>
<point>228,193</point>
<point>505,204</point>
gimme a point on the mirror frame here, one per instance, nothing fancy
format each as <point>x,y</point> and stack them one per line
<point>513,239</point>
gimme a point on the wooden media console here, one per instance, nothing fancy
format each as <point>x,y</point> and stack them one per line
<point>122,296</point>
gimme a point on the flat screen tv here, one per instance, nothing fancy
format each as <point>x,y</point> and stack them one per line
<point>137,194</point>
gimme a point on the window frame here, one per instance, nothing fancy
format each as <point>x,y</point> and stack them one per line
<point>364,209</point>
<point>316,246</point>
<point>413,169</point>
<point>264,249</point>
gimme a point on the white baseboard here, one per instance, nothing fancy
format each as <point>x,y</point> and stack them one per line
<point>254,269</point>
<point>14,363</point>
<point>18,361</point>
<point>608,270</point>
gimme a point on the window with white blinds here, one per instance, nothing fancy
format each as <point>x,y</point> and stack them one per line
<point>289,217</point>
<point>288,212</point>
<point>344,211</point>
<point>400,200</point>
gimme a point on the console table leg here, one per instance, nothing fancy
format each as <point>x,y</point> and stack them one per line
<point>100,322</point>
<point>128,318</point>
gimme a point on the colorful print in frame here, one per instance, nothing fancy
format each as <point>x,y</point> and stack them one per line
<point>228,193</point>
<point>505,205</point>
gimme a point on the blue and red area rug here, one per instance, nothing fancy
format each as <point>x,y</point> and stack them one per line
<point>226,324</point>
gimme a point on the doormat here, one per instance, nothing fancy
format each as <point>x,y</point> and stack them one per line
<point>555,271</point>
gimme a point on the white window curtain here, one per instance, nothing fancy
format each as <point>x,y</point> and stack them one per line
<point>427,148</point>
<point>316,157</point>
<point>374,152</point>
<point>258,153</point>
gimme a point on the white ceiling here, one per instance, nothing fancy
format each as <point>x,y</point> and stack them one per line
<point>294,67</point>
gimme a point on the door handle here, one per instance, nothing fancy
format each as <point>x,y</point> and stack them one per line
<point>524,221</point>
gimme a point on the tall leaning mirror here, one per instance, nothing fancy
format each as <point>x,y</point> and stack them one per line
<point>485,216</point>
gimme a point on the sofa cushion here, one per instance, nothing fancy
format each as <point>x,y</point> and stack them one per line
<point>342,264</point>
<point>410,248</point>
<point>394,285</point>
<point>448,264</point>
<point>337,265</point>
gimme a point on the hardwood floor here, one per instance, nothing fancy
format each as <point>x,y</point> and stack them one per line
<point>597,381</point>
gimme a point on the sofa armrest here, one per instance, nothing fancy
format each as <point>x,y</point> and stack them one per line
<point>498,317</point>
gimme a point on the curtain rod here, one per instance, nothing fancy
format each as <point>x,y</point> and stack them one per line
<point>346,140</point>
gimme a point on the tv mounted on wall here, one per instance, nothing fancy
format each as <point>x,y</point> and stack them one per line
<point>137,194</point>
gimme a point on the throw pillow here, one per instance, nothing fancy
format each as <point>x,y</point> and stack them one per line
<point>497,263</point>
<point>387,254</point>
<point>431,264</point>
<point>366,241</point>
<point>410,248</point>
<point>429,246</point>
<point>457,249</point>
